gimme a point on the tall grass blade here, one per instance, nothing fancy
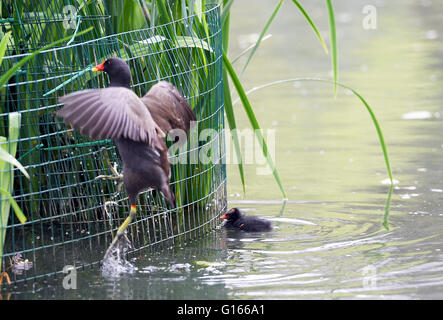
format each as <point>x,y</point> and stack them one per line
<point>198,9</point>
<point>248,49</point>
<point>163,12</point>
<point>8,149</point>
<point>230,116</point>
<point>132,17</point>
<point>262,34</point>
<point>368,108</point>
<point>229,110</point>
<point>333,32</point>
<point>252,119</point>
<point>14,129</point>
<point>379,131</point>
<point>225,24</point>
<point>18,212</point>
<point>3,46</point>
<point>226,11</point>
<point>308,18</point>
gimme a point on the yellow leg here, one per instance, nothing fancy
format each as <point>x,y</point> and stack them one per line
<point>121,229</point>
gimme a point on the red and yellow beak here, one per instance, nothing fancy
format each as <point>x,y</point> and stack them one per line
<point>99,67</point>
<point>226,215</point>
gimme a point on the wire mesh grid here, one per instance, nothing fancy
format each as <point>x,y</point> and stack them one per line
<point>34,22</point>
<point>71,215</point>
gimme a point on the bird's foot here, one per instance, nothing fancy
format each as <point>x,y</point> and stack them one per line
<point>116,176</point>
<point>121,235</point>
<point>113,168</point>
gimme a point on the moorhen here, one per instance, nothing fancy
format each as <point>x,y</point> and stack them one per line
<point>136,125</point>
<point>236,221</point>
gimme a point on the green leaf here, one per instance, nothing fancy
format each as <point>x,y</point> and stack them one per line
<point>377,127</point>
<point>163,11</point>
<point>198,9</point>
<point>229,110</point>
<point>3,46</point>
<point>18,212</point>
<point>252,119</point>
<point>191,42</point>
<point>262,34</point>
<point>333,32</point>
<point>132,17</point>
<point>14,131</point>
<point>226,11</point>
<point>308,18</point>
<point>225,26</point>
<point>5,156</point>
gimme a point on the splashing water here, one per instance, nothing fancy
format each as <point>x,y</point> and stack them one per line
<point>116,263</point>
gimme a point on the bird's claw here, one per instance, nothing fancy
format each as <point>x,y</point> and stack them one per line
<point>116,176</point>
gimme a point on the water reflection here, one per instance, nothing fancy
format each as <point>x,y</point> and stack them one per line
<point>387,207</point>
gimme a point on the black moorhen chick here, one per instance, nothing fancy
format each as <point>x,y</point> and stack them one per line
<point>136,126</point>
<point>236,221</point>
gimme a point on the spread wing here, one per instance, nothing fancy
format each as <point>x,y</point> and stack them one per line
<point>168,107</point>
<point>108,114</point>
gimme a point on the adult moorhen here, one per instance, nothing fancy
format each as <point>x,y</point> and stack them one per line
<point>136,126</point>
<point>236,221</point>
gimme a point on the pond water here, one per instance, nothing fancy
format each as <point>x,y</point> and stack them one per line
<point>329,240</point>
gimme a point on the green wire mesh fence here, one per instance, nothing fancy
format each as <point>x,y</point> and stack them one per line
<point>71,215</point>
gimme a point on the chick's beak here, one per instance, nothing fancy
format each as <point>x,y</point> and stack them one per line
<point>99,67</point>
